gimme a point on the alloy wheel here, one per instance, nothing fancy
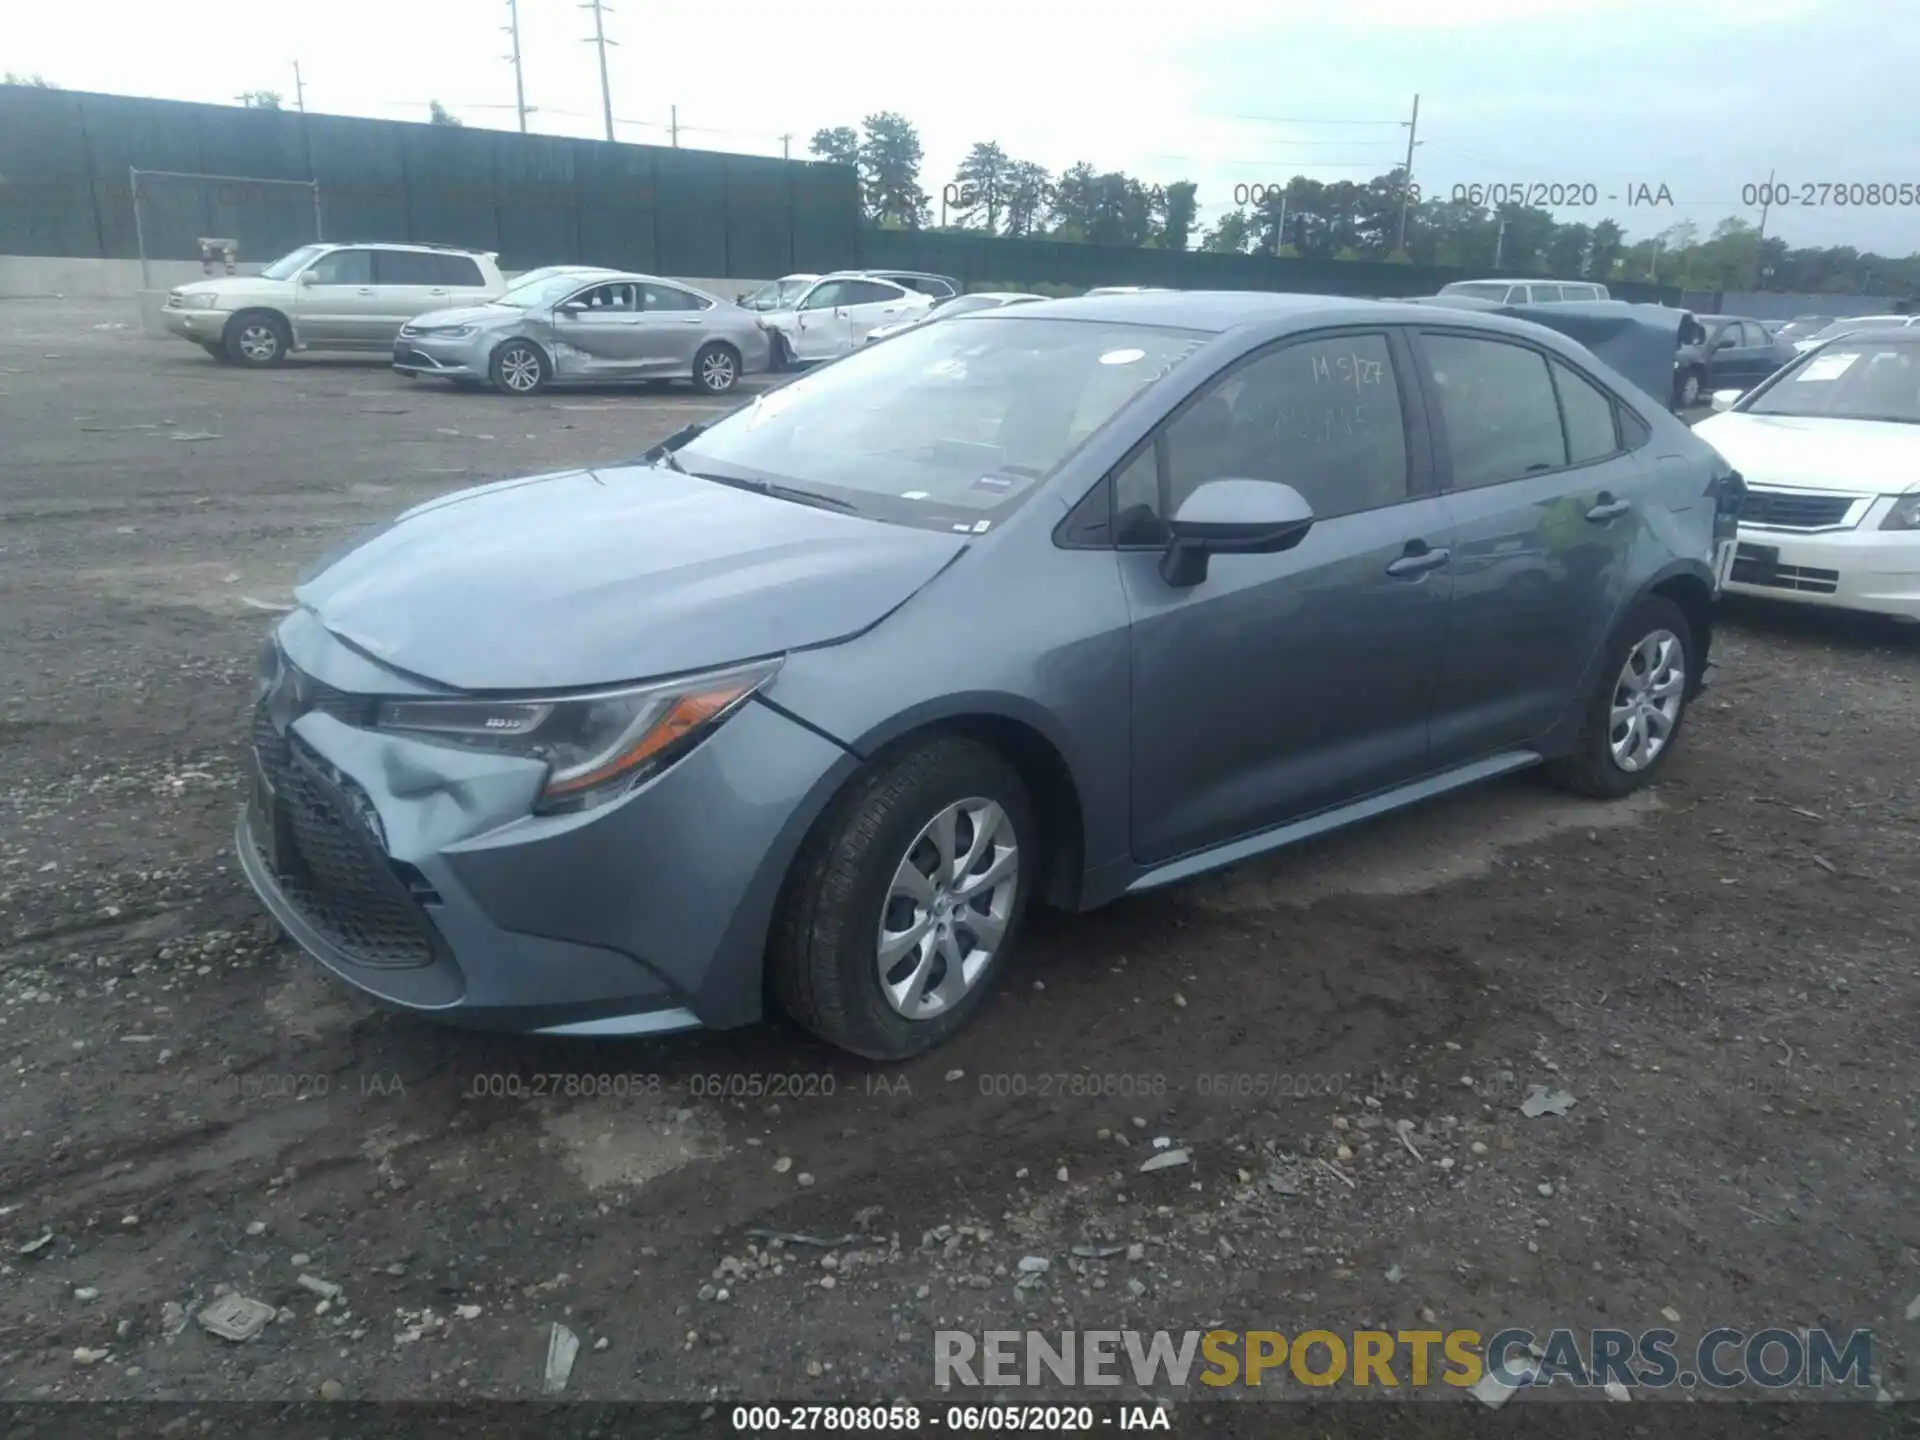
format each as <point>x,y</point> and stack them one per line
<point>1646,701</point>
<point>716,371</point>
<point>520,370</point>
<point>947,908</point>
<point>259,342</point>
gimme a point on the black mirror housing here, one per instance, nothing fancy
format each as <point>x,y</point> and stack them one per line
<point>1232,517</point>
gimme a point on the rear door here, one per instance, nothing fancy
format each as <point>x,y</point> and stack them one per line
<point>463,280</point>
<point>673,325</point>
<point>336,305</point>
<point>1546,496</point>
<point>869,304</point>
<point>407,283</point>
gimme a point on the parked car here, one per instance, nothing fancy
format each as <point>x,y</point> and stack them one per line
<point>1130,290</point>
<point>935,287</point>
<point>328,297</point>
<point>1854,325</point>
<point>781,294</point>
<point>1831,451</point>
<point>1027,606</point>
<point>834,315</point>
<point>959,305</point>
<point>588,327</point>
<point>1733,352</point>
<point>1801,326</point>
<point>1528,292</point>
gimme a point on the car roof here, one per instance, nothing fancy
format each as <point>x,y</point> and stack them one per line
<point>1218,311</point>
<point>1905,335</point>
<point>1521,280</point>
<point>423,246</point>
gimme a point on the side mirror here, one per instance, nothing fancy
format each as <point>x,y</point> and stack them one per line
<point>570,307</point>
<point>1724,400</point>
<point>309,277</point>
<point>1232,517</point>
<point>1724,343</point>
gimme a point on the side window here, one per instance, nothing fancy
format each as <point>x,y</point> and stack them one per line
<point>669,297</point>
<point>1320,415</point>
<point>1516,295</point>
<point>826,296</point>
<point>405,267</point>
<point>1498,403</point>
<point>1548,294</point>
<point>1588,414</point>
<point>344,267</point>
<point>870,292</point>
<point>1634,432</point>
<point>608,299</point>
<point>1136,500</point>
<point>459,271</point>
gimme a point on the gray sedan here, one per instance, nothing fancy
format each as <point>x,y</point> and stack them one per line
<point>1050,604</point>
<point>587,327</point>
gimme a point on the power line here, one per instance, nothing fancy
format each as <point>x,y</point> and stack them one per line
<point>1298,120</point>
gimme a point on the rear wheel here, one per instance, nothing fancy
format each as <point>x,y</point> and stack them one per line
<point>1686,389</point>
<point>257,337</point>
<point>1633,717</point>
<point>519,367</point>
<point>905,902</point>
<point>716,369</point>
<point>782,357</point>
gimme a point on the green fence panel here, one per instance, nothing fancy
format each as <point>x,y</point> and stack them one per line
<point>450,195</point>
<point>46,192</point>
<point>123,133</point>
<point>363,182</point>
<point>254,146</point>
<point>827,234</point>
<point>616,205</point>
<point>538,204</point>
<point>760,205</point>
<point>690,220</point>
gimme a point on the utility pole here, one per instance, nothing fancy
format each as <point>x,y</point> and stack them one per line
<point>1406,179</point>
<point>786,147</point>
<point>1759,250</point>
<point>673,124</point>
<point>1499,245</point>
<point>519,80</point>
<point>299,90</point>
<point>601,42</point>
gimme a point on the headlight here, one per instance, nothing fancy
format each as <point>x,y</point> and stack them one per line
<point>1905,514</point>
<point>448,332</point>
<point>597,746</point>
<point>204,302</point>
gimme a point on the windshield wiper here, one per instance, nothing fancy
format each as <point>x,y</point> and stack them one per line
<point>773,491</point>
<point>662,454</point>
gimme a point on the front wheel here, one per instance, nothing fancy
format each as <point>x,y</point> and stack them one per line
<point>1633,717</point>
<point>519,367</point>
<point>1686,390</point>
<point>716,369</point>
<point>257,337</point>
<point>902,907</point>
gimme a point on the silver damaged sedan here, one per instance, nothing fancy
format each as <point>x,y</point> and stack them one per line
<point>582,327</point>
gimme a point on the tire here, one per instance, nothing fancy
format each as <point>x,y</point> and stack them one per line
<point>217,351</point>
<point>824,951</point>
<point>257,338</point>
<point>1686,389</point>
<point>782,358</point>
<point>1592,768</point>
<point>519,367</point>
<point>716,368</point>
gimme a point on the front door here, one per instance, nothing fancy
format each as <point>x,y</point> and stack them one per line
<point>599,334</point>
<point>337,305</point>
<point>1286,684</point>
<point>820,330</point>
<point>1545,512</point>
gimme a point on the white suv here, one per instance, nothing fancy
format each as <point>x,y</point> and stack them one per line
<point>835,314</point>
<point>328,297</point>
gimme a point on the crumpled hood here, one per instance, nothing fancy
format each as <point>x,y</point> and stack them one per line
<point>467,315</point>
<point>1857,457</point>
<point>598,577</point>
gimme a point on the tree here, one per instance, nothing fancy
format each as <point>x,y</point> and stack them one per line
<point>1029,196</point>
<point>35,81</point>
<point>1231,234</point>
<point>889,163</point>
<point>839,145</point>
<point>438,114</point>
<point>261,100</point>
<point>1074,196</point>
<point>982,180</point>
<point>1179,204</point>
<point>1604,249</point>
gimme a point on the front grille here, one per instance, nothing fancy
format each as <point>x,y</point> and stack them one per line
<point>1788,511</point>
<point>337,873</point>
<point>1751,568</point>
<point>407,355</point>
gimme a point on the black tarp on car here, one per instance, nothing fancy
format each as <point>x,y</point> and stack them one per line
<point>1639,342</point>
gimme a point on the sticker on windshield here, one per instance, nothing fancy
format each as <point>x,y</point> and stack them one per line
<point>994,482</point>
<point>915,495</point>
<point>980,527</point>
<point>1122,357</point>
<point>1827,367</point>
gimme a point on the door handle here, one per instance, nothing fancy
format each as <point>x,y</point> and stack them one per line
<point>436,292</point>
<point>1607,508</point>
<point>366,289</point>
<point>1418,562</point>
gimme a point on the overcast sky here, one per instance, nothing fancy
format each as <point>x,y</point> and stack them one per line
<point>1702,96</point>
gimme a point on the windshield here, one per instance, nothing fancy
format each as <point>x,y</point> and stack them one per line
<point>1850,327</point>
<point>947,424</point>
<point>287,266</point>
<point>777,295</point>
<point>1849,380</point>
<point>550,290</point>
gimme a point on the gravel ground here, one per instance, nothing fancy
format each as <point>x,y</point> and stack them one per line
<point>1721,973</point>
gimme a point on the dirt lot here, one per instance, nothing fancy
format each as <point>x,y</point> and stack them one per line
<point>1723,975</point>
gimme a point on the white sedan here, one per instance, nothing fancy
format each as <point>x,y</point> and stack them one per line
<point>958,305</point>
<point>1830,449</point>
